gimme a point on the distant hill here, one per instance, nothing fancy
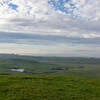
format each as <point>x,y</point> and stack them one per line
<point>67,60</point>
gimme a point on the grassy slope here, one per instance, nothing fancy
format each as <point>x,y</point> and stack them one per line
<point>48,88</point>
<point>65,86</point>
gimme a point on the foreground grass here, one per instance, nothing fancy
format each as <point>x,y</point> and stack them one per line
<point>48,88</point>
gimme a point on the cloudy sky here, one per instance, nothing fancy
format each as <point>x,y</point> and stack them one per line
<point>50,27</point>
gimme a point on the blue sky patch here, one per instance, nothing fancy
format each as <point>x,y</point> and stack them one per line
<point>13,6</point>
<point>59,5</point>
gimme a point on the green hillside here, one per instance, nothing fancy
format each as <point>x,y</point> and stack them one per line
<point>48,88</point>
<point>49,78</point>
<point>66,60</point>
<point>63,66</point>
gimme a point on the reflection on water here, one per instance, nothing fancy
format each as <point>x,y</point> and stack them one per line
<point>18,70</point>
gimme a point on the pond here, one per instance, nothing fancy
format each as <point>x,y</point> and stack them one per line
<point>17,70</point>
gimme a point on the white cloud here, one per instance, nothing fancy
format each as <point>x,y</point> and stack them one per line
<point>86,8</point>
<point>39,17</point>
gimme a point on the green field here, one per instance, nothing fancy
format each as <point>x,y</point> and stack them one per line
<point>48,88</point>
<point>63,66</point>
<point>49,78</point>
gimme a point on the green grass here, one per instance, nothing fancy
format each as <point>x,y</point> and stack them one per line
<point>43,83</point>
<point>45,68</point>
<point>48,88</point>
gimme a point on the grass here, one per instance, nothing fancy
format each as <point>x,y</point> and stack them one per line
<point>45,68</point>
<point>48,88</point>
<point>80,79</point>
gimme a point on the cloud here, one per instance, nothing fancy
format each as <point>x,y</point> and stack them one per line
<point>56,23</point>
<point>50,45</point>
<point>40,17</point>
<point>23,38</point>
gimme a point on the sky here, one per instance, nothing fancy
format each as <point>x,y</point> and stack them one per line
<point>69,28</point>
